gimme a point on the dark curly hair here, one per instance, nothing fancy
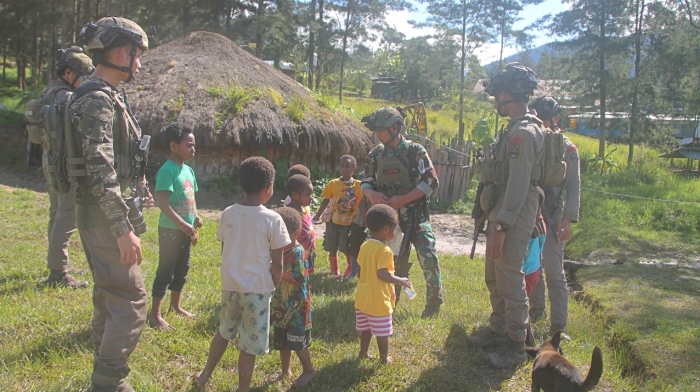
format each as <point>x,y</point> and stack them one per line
<point>296,183</point>
<point>379,216</point>
<point>291,218</point>
<point>175,132</point>
<point>255,174</point>
<point>299,169</point>
<point>350,159</point>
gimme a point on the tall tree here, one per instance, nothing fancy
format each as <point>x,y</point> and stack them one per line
<point>469,20</point>
<point>592,29</point>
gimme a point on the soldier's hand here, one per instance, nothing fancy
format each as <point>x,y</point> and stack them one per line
<point>129,249</point>
<point>375,197</point>
<point>188,230</point>
<point>494,245</point>
<point>564,230</point>
<point>396,202</point>
<point>149,200</point>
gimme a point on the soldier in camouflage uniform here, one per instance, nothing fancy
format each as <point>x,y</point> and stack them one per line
<point>559,216</point>
<point>511,199</point>
<point>109,138</point>
<point>71,64</point>
<point>399,173</point>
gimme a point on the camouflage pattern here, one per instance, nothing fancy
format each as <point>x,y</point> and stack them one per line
<point>383,118</point>
<point>102,134</point>
<point>101,34</point>
<point>75,59</point>
<point>423,239</point>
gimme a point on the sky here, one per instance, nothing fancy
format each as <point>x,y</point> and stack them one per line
<point>399,20</point>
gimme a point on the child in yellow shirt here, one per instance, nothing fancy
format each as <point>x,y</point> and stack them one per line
<point>375,297</point>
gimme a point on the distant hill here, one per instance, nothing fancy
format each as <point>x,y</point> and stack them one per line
<point>535,55</point>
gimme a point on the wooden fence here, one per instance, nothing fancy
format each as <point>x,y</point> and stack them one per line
<point>454,166</point>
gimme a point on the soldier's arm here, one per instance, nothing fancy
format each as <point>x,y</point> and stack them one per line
<point>368,177</point>
<point>521,152</point>
<point>92,118</point>
<point>428,179</point>
<point>573,182</point>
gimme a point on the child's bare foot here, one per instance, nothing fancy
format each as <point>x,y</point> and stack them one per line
<point>365,356</point>
<point>283,376</point>
<point>201,379</point>
<point>385,360</point>
<point>158,323</point>
<point>183,312</point>
<point>304,379</point>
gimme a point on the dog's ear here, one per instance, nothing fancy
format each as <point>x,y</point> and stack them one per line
<point>532,351</point>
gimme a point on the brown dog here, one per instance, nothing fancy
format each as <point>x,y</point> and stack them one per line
<point>552,372</point>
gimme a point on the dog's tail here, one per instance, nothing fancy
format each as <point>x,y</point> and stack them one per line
<point>595,371</point>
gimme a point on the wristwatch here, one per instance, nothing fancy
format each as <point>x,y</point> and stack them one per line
<point>498,226</point>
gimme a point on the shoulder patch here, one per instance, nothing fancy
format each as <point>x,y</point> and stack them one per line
<point>571,149</point>
<point>514,141</point>
<point>514,151</point>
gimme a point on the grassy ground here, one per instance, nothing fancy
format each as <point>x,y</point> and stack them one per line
<point>619,228</point>
<point>45,346</point>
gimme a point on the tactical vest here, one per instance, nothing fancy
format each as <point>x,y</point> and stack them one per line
<point>125,142</point>
<point>393,177</point>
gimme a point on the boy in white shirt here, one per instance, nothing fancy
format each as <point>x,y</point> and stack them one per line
<point>253,239</point>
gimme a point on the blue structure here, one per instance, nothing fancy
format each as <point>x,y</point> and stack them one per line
<point>588,124</point>
<point>382,87</point>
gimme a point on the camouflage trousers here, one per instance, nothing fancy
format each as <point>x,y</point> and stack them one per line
<point>423,241</point>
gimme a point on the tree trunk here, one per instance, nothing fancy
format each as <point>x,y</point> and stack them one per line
<point>463,60</point>
<point>346,32</point>
<point>602,81</point>
<point>634,121</point>
<point>76,19</point>
<point>97,10</point>
<point>259,29</point>
<point>320,58</point>
<point>36,56</point>
<point>500,59</point>
<point>4,61</point>
<point>312,45</point>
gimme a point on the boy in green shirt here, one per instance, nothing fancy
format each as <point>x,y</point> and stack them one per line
<point>175,188</point>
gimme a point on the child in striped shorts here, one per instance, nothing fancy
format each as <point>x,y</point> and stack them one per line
<point>375,297</point>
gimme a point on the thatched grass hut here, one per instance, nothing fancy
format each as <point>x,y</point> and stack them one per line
<point>239,106</point>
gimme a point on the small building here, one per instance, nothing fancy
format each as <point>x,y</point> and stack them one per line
<point>286,68</point>
<point>382,87</point>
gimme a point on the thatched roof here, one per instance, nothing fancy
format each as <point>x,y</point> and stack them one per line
<point>188,79</point>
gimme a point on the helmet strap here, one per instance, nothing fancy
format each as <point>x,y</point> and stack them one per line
<point>127,70</point>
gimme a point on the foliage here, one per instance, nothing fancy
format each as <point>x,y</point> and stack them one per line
<point>603,164</point>
<point>296,109</point>
<point>234,99</point>
<point>174,107</point>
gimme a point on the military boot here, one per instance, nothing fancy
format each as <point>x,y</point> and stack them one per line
<point>511,355</point>
<point>64,279</point>
<point>536,314</point>
<point>430,311</point>
<point>487,338</point>
<point>556,327</point>
<point>105,379</point>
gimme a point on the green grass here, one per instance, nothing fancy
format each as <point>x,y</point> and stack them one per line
<point>653,322</point>
<point>613,227</point>
<point>296,109</point>
<point>45,344</point>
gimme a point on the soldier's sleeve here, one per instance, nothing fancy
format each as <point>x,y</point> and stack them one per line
<point>573,182</point>
<point>428,179</point>
<point>92,117</point>
<point>368,178</point>
<point>521,151</point>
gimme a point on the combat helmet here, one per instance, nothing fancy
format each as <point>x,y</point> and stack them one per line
<point>516,79</point>
<point>75,59</point>
<point>384,118</point>
<point>545,106</point>
<point>112,32</point>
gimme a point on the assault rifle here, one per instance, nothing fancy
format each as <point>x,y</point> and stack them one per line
<point>402,264</point>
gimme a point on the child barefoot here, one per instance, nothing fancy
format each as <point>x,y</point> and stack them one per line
<point>374,300</point>
<point>253,242</point>
<point>345,192</point>
<point>290,311</point>
<point>300,191</point>
<point>176,185</point>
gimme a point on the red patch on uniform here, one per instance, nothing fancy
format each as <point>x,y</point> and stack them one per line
<point>570,149</point>
<point>391,171</point>
<point>514,141</point>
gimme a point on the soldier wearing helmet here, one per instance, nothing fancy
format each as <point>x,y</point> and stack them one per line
<point>561,208</point>
<point>510,198</point>
<point>398,172</point>
<point>110,139</point>
<point>71,66</point>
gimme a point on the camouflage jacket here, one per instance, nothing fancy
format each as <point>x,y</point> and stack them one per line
<point>100,199</point>
<point>428,181</point>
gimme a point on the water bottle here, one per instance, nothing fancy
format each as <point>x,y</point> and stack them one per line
<point>410,292</point>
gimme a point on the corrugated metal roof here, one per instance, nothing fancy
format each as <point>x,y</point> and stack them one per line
<point>692,153</point>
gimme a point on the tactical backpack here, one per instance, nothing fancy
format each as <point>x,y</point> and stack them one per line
<point>50,125</point>
<point>553,166</point>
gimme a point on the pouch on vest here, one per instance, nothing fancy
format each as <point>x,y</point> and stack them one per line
<point>32,112</point>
